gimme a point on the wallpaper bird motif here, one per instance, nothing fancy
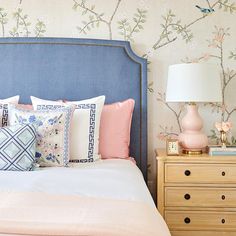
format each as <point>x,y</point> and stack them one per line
<point>205,10</point>
<point>163,31</point>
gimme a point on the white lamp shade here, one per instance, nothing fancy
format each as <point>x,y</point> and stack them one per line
<point>193,83</point>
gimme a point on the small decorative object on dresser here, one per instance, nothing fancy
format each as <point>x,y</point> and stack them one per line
<point>172,147</point>
<point>193,83</point>
<point>223,128</point>
<point>197,196</point>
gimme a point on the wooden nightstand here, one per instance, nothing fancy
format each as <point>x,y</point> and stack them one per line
<point>196,195</point>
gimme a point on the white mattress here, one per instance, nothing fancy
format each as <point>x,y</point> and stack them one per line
<point>114,179</point>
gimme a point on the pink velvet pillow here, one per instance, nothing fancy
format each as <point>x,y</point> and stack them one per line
<point>115,127</point>
<point>25,106</point>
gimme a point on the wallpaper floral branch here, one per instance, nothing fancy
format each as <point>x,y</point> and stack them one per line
<point>232,55</point>
<point>171,25</point>
<point>163,31</point>
<point>95,18</point>
<point>22,24</point>
<point>127,30</point>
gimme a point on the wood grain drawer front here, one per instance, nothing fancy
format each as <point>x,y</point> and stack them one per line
<point>200,197</point>
<point>202,233</point>
<point>195,220</point>
<point>200,173</point>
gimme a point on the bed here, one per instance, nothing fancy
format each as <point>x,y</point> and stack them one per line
<point>107,197</point>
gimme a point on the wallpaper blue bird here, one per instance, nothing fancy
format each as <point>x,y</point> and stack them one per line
<point>205,10</point>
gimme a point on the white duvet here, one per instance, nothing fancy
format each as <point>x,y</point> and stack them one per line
<point>113,179</point>
<point>32,202</point>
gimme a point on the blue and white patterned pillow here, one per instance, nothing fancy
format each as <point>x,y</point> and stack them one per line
<point>53,131</point>
<point>4,109</point>
<point>17,147</point>
<point>85,126</point>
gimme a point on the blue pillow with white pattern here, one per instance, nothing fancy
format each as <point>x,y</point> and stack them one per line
<point>17,147</point>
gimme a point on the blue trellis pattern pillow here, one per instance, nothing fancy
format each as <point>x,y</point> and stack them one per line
<point>53,130</point>
<point>17,147</point>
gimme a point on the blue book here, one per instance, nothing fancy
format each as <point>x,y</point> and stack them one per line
<point>222,153</point>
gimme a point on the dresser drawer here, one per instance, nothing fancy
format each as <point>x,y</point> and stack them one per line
<point>202,233</point>
<point>200,197</point>
<point>195,220</point>
<point>200,173</point>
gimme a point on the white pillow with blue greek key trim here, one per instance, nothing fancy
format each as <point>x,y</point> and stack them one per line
<point>4,109</point>
<point>17,147</point>
<point>85,126</point>
<point>53,132</point>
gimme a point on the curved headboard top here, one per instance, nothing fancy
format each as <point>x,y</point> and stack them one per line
<point>76,69</point>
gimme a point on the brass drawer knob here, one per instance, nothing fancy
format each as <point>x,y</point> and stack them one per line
<point>187,196</point>
<point>187,172</point>
<point>187,220</point>
<point>223,173</point>
<point>223,221</point>
<point>223,197</point>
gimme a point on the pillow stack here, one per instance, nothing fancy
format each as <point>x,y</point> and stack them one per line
<point>84,127</point>
<point>97,131</point>
<point>54,133</point>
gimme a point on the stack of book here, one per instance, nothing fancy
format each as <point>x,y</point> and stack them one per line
<point>222,151</point>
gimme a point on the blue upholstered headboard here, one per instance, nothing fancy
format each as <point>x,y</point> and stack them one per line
<point>74,69</point>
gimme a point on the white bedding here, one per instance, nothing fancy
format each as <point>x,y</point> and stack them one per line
<point>113,179</point>
<point>84,189</point>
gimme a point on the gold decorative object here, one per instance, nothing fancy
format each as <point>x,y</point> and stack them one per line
<point>223,128</point>
<point>223,138</point>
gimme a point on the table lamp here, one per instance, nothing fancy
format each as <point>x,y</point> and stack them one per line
<point>193,83</point>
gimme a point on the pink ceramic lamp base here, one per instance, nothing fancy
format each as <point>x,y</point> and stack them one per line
<point>192,139</point>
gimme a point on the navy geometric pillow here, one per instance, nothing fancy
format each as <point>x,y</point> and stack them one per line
<point>17,147</point>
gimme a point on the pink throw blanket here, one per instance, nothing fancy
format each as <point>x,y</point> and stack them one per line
<point>46,214</point>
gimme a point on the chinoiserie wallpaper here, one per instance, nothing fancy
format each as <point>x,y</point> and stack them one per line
<point>163,31</point>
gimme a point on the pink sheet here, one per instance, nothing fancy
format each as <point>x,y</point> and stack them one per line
<point>46,214</point>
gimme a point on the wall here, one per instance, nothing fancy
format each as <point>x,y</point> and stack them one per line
<point>164,31</point>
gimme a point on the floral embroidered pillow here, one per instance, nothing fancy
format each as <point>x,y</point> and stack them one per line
<point>53,131</point>
<point>85,126</point>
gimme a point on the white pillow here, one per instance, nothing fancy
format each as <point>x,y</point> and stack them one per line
<point>85,126</point>
<point>35,100</point>
<point>4,110</point>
